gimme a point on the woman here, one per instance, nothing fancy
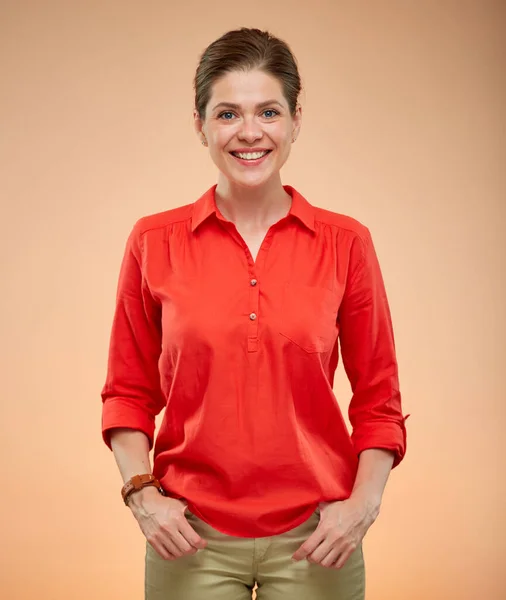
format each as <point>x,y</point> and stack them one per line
<point>228,314</point>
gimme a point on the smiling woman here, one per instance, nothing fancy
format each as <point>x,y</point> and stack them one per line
<point>229,312</point>
<point>248,123</point>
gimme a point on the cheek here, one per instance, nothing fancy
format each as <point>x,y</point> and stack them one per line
<point>221,137</point>
<point>283,140</point>
<point>282,136</point>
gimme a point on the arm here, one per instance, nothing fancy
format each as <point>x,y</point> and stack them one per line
<point>161,519</point>
<point>131,395</point>
<point>374,467</point>
<point>379,435</point>
<point>131,451</point>
<point>345,522</point>
<point>368,353</point>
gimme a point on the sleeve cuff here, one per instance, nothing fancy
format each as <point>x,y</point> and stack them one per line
<point>119,412</point>
<point>387,435</point>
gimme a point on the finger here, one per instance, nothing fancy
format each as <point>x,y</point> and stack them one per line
<point>166,539</point>
<point>310,545</point>
<point>331,558</point>
<point>323,551</point>
<point>191,535</point>
<point>343,558</point>
<point>160,549</point>
<point>181,543</point>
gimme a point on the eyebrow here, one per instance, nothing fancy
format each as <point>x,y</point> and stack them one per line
<point>237,106</point>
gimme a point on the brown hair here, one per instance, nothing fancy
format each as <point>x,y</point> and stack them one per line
<point>246,49</point>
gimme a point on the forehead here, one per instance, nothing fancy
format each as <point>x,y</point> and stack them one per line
<point>246,87</point>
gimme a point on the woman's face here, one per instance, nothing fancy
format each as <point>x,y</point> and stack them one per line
<point>248,113</point>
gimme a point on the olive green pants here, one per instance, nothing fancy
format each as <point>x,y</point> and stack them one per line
<point>229,567</point>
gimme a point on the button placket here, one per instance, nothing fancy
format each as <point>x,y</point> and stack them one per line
<point>253,316</point>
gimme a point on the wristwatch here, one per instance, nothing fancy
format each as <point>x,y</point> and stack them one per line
<point>137,482</point>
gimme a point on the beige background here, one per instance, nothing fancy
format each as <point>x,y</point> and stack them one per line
<point>404,129</point>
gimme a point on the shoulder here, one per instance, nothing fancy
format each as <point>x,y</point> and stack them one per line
<point>161,220</point>
<point>352,237</point>
<point>342,222</point>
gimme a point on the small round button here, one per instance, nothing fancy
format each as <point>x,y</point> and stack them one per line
<point>252,316</point>
<point>253,282</point>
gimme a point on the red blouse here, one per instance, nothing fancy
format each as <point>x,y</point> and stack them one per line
<point>242,355</point>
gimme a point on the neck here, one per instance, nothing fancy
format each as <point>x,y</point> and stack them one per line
<point>252,208</point>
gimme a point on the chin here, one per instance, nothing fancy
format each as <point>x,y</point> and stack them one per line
<point>250,182</point>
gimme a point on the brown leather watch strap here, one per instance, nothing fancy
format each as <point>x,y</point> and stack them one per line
<point>137,482</point>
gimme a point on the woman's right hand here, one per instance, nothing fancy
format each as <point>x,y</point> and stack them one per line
<point>163,522</point>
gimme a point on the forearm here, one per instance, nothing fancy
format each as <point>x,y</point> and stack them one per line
<point>374,468</point>
<point>131,451</point>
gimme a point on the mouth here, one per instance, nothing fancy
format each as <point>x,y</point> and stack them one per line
<point>250,158</point>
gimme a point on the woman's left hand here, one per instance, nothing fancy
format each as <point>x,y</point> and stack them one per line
<point>343,525</point>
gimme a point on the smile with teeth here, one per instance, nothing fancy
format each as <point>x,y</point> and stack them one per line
<point>250,155</point>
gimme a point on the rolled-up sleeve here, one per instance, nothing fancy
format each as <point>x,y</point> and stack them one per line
<point>131,395</point>
<point>368,355</point>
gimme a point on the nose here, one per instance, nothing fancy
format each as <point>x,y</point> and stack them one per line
<point>250,130</point>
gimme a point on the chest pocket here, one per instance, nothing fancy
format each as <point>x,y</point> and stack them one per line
<point>308,316</point>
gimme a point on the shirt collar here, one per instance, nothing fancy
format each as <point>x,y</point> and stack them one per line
<point>205,206</point>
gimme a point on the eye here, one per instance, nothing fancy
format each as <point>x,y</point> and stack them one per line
<point>222,115</point>
<point>272,111</point>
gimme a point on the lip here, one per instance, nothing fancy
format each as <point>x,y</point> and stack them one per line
<point>251,163</point>
<point>250,149</point>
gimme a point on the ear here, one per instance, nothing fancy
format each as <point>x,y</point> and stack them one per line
<point>198,125</point>
<point>297,121</point>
